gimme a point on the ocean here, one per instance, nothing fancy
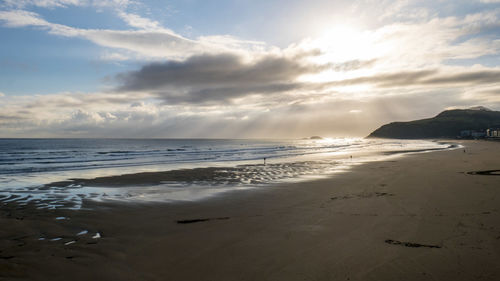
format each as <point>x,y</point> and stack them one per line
<point>29,166</point>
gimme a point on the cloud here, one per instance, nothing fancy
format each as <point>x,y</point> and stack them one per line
<point>215,70</point>
<point>429,41</point>
<point>66,3</point>
<point>141,115</point>
<point>483,95</point>
<point>137,21</point>
<point>478,77</point>
<point>42,3</point>
<point>217,78</point>
<point>159,44</point>
<point>434,77</point>
<point>153,41</point>
<point>21,18</point>
<point>354,65</point>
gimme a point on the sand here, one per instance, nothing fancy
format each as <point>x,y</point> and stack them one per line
<point>426,216</point>
<point>154,178</point>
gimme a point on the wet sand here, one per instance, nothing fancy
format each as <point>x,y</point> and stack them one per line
<point>430,216</point>
<point>155,178</point>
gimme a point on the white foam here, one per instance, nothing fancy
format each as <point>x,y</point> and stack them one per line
<point>83,232</point>
<point>69,243</point>
<point>96,236</point>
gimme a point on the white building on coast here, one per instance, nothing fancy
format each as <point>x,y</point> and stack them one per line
<point>493,133</point>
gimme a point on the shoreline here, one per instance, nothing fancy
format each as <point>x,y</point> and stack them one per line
<point>197,183</point>
<point>417,217</point>
<point>205,174</point>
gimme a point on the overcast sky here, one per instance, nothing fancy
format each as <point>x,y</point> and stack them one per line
<point>242,68</point>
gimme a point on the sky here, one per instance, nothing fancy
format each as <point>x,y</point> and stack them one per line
<point>241,68</point>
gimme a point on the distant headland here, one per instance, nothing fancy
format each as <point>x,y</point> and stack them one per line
<point>313,138</point>
<point>475,122</point>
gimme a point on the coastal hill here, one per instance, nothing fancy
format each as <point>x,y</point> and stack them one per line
<point>447,124</point>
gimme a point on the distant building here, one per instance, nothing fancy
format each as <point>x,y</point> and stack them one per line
<point>493,133</point>
<point>477,135</point>
<point>465,133</point>
<point>471,134</point>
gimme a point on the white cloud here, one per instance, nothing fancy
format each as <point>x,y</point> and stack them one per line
<point>105,114</point>
<point>21,18</point>
<point>66,3</point>
<point>137,21</point>
<point>154,42</point>
<point>42,3</point>
<point>400,44</point>
<point>403,47</point>
<point>120,4</point>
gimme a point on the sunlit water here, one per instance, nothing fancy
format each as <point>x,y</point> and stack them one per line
<point>28,166</point>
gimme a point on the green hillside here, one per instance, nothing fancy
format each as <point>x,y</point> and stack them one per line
<point>447,124</point>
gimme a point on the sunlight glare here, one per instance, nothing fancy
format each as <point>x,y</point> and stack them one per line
<point>345,46</point>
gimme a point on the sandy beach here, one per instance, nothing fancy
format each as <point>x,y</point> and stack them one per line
<point>424,216</point>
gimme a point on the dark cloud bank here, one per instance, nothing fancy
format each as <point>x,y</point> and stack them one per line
<point>217,78</point>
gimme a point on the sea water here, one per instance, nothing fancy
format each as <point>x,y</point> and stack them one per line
<point>28,166</point>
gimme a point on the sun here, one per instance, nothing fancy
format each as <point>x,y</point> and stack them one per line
<point>345,47</point>
<point>343,43</point>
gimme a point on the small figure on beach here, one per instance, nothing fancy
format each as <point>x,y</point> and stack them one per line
<point>464,150</point>
<point>264,161</point>
<point>351,157</point>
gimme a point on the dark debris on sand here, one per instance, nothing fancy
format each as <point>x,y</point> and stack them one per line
<point>363,195</point>
<point>410,244</point>
<point>485,173</point>
<point>200,220</point>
